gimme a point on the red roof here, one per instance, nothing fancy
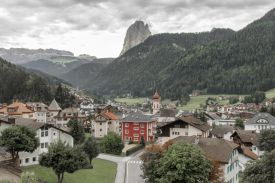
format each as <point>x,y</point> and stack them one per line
<point>109,115</point>
<point>156,95</point>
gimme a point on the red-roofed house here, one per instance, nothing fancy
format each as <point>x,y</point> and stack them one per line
<point>17,109</point>
<point>105,121</point>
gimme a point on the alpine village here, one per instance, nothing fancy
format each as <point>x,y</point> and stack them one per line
<point>171,108</point>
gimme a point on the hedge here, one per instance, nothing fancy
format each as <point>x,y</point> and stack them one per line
<point>134,149</point>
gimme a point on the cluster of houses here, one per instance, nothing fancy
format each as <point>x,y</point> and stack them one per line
<point>217,137</point>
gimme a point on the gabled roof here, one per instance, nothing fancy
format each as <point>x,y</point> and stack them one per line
<point>215,149</point>
<point>220,131</point>
<point>54,106</point>
<point>195,122</point>
<point>247,152</point>
<point>137,117</point>
<point>247,136</point>
<point>268,117</point>
<point>213,116</point>
<point>109,115</point>
<point>20,108</point>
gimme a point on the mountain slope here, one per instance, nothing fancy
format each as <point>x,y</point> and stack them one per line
<point>54,65</point>
<point>23,55</point>
<point>217,62</point>
<point>83,75</point>
<point>139,69</point>
<point>17,84</point>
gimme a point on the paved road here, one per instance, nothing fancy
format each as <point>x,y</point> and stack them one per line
<point>121,165</point>
<point>134,172</point>
<point>128,168</point>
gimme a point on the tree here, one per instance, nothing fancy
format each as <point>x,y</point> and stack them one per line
<point>239,123</point>
<point>90,147</point>
<point>63,158</point>
<point>17,139</point>
<point>77,131</point>
<point>112,143</point>
<point>258,97</point>
<point>63,97</point>
<point>142,141</point>
<point>183,163</point>
<point>261,170</point>
<point>267,140</point>
<point>233,100</point>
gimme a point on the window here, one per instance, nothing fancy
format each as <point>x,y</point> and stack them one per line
<point>42,133</point>
<point>136,135</point>
<point>46,145</point>
<point>54,133</point>
<point>42,145</point>
<point>135,139</point>
<point>136,128</point>
<point>100,123</point>
<point>100,130</point>
<point>126,131</point>
<point>126,124</point>
<point>34,159</point>
<point>27,160</point>
<point>141,131</point>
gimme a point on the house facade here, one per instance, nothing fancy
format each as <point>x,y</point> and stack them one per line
<point>71,113</point>
<point>40,111</point>
<point>46,134</point>
<point>183,126</point>
<point>137,125</point>
<point>105,121</point>
<point>261,121</point>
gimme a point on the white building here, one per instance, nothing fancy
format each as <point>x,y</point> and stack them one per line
<point>260,121</point>
<point>40,111</point>
<point>46,133</point>
<point>183,126</point>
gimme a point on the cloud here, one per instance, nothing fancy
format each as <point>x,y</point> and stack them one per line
<point>79,25</point>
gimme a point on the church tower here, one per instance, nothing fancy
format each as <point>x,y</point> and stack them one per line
<point>156,103</point>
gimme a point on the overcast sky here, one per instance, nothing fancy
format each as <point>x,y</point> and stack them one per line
<point>98,27</point>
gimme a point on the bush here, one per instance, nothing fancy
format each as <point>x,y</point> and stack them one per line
<point>112,144</point>
<point>134,149</point>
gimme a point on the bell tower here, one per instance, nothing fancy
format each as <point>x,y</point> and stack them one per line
<point>156,103</point>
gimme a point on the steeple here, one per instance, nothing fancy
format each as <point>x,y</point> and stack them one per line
<point>156,103</point>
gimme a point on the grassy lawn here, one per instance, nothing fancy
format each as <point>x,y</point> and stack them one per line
<point>103,172</point>
<point>195,102</point>
<point>130,101</point>
<point>270,93</point>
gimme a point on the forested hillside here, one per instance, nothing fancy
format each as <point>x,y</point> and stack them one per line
<point>220,61</point>
<point>81,76</point>
<point>140,70</point>
<point>16,83</point>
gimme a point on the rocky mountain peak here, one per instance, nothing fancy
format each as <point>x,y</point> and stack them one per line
<point>136,34</point>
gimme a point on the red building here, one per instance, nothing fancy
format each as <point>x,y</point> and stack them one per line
<point>136,125</point>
